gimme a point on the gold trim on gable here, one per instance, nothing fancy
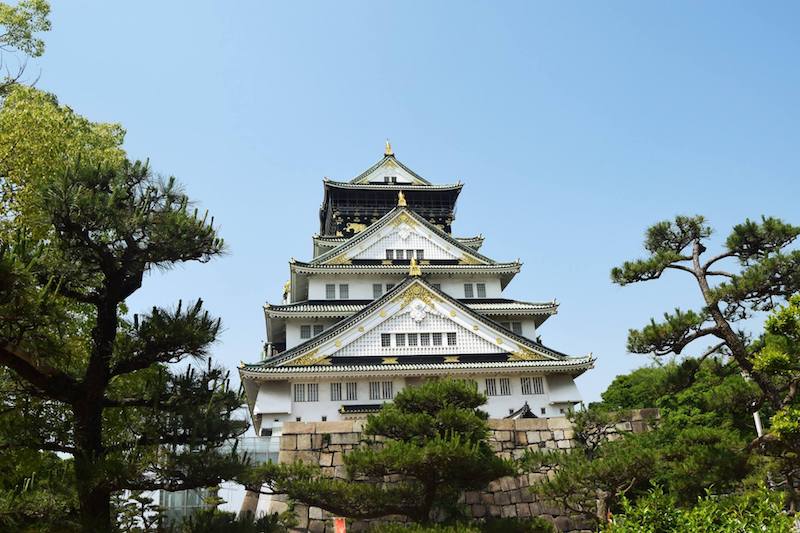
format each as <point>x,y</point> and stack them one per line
<point>310,359</point>
<point>451,359</point>
<point>469,260</point>
<point>417,292</point>
<point>525,354</point>
<point>404,218</point>
<point>341,259</point>
<point>389,361</point>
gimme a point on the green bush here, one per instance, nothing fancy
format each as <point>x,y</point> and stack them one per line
<point>498,525</point>
<point>656,512</point>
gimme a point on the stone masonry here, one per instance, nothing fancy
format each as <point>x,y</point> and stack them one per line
<point>325,444</point>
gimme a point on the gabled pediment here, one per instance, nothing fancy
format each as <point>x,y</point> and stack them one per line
<point>389,170</point>
<point>414,308</point>
<point>402,229</point>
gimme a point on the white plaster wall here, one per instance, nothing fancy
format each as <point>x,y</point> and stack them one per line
<point>293,328</point>
<point>361,285</point>
<point>497,406</point>
<point>405,237</point>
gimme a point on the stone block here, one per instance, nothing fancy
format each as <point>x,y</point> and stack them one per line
<point>301,512</point>
<point>317,440</point>
<point>494,486</point>
<point>559,422</point>
<point>502,436</point>
<point>299,427</point>
<point>504,424</point>
<point>530,424</point>
<point>508,511</point>
<point>563,523</point>
<point>338,459</point>
<point>335,426</point>
<point>478,511</point>
<point>550,444</point>
<point>325,459</point>
<point>345,438</point>
<point>316,526</point>
<point>515,496</point>
<point>569,434</point>
<point>287,456</point>
<point>558,434</point>
<point>471,497</point>
<point>502,498</point>
<point>564,444</point>
<point>495,510</point>
<point>289,442</point>
<point>523,510</point>
<point>314,513</point>
<point>487,498</point>
<point>508,483</point>
<point>304,441</point>
<point>533,436</point>
<point>527,496</point>
<point>639,426</point>
<point>521,438</point>
<point>278,507</point>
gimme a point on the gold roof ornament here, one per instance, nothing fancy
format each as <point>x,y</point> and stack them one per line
<point>388,150</point>
<point>413,269</point>
<point>401,199</point>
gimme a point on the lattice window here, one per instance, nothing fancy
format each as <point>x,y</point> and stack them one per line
<point>344,291</point>
<point>312,390</point>
<point>336,392</point>
<point>431,249</point>
<point>491,387</point>
<point>451,338</point>
<point>420,254</point>
<point>437,339</point>
<point>389,254</point>
<point>481,290</point>
<point>305,332</point>
<point>468,292</point>
<point>505,387</point>
<point>351,388</point>
<point>399,339</point>
<point>377,290</point>
<point>374,390</point>
<point>387,388</point>
<point>330,291</point>
<point>424,339</point>
<point>386,340</point>
<point>389,286</point>
<point>299,392</point>
<point>412,339</point>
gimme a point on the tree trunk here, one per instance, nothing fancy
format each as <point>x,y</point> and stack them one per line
<point>94,494</point>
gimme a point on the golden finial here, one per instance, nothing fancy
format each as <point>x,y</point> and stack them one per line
<point>388,150</point>
<point>413,269</point>
<point>401,199</point>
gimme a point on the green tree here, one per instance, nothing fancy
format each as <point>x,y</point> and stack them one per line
<point>767,272</point>
<point>98,379</point>
<point>20,23</point>
<point>432,441</point>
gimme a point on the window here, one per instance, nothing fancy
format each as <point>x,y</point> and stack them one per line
<point>387,387</point>
<point>351,388</point>
<point>305,332</point>
<point>437,339</point>
<point>312,390</point>
<point>420,254</point>
<point>468,290</point>
<point>344,291</point>
<point>412,339</point>
<point>424,339</point>
<point>399,339</point>
<point>544,411</point>
<point>525,385</point>
<point>505,387</point>
<point>374,390</point>
<point>481,290</point>
<point>389,286</point>
<point>532,385</point>
<point>336,392</point>
<point>516,327</point>
<point>451,338</point>
<point>386,340</point>
<point>377,290</point>
<point>409,254</point>
<point>330,291</point>
<point>299,392</point>
<point>437,286</point>
<point>318,329</point>
<point>491,387</point>
<point>389,254</point>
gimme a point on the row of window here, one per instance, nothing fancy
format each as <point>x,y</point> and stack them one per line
<point>384,390</point>
<point>330,291</point>
<point>306,330</point>
<point>470,290</point>
<point>528,385</point>
<point>405,254</point>
<point>309,392</point>
<point>516,327</point>
<point>418,339</point>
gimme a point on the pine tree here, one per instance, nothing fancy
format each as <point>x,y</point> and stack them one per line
<point>431,442</point>
<point>96,383</point>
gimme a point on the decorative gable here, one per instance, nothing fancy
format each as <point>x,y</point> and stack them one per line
<point>413,308</point>
<point>390,171</point>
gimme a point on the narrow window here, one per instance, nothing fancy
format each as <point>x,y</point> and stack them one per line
<point>387,387</point>
<point>387,179</point>
<point>299,392</point>
<point>318,329</point>
<point>506,325</point>
<point>538,385</point>
<point>481,290</point>
<point>374,390</point>
<point>330,291</point>
<point>409,254</point>
<point>544,411</point>
<point>344,292</point>
<point>313,392</point>
<point>412,339</point>
<point>468,290</point>
<point>399,339</point>
<point>525,385</point>
<point>491,387</point>
<point>451,338</point>
<point>377,290</point>
<point>305,332</point>
<point>437,339</point>
<point>505,387</point>
<point>437,286</point>
<point>386,340</point>
<point>424,339</point>
<point>389,254</point>
<point>389,286</point>
<point>420,255</point>
<point>336,392</point>
<point>352,390</point>
<point>516,327</point>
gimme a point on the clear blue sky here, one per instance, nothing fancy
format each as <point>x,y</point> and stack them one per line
<point>573,124</point>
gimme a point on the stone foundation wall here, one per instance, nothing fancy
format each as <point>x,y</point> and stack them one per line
<point>325,444</point>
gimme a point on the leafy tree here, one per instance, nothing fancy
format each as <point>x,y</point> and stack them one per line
<point>100,380</point>
<point>20,23</point>
<point>768,272</point>
<point>432,441</point>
